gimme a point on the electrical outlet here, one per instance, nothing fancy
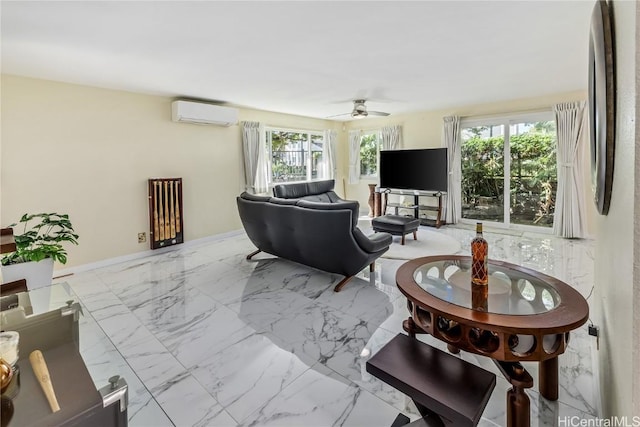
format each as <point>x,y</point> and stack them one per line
<point>142,237</point>
<point>594,331</point>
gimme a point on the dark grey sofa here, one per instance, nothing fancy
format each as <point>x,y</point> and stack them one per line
<point>308,223</point>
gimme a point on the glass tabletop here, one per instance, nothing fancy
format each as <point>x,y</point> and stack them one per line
<point>50,319</point>
<point>40,305</point>
<point>510,291</point>
<point>42,300</point>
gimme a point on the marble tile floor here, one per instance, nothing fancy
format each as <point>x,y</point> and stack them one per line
<point>206,338</point>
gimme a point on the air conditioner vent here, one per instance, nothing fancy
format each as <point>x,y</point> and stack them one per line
<point>201,113</point>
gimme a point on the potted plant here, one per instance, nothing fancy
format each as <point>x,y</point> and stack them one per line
<point>39,245</point>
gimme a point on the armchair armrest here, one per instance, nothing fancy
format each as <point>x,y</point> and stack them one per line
<point>373,243</point>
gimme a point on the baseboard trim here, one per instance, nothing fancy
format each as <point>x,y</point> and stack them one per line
<point>130,257</point>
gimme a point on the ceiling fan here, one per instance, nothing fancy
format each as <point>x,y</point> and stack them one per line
<point>360,110</point>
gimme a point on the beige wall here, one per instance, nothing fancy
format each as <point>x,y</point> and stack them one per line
<point>88,152</point>
<point>424,130</point>
<point>614,257</point>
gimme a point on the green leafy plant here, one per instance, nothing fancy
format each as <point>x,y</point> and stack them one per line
<point>42,237</point>
<point>533,174</point>
<point>368,155</point>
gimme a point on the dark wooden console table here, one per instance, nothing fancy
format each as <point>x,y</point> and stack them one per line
<point>8,244</point>
<point>7,241</point>
<point>526,317</point>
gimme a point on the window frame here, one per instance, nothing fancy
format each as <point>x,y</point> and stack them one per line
<point>364,133</point>
<point>506,120</point>
<point>307,148</point>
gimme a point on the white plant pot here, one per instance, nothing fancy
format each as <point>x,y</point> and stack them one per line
<point>38,274</point>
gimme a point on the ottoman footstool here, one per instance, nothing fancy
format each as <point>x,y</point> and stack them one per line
<point>396,225</point>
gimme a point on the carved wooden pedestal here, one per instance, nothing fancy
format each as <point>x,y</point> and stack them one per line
<point>372,191</point>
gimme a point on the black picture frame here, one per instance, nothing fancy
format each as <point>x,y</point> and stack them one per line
<point>602,104</point>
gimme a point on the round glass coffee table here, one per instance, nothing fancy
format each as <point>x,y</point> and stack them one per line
<point>522,315</point>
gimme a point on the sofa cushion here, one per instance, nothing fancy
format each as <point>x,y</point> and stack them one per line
<point>347,204</point>
<point>328,197</point>
<point>334,198</point>
<point>281,201</point>
<point>299,190</point>
<point>319,198</point>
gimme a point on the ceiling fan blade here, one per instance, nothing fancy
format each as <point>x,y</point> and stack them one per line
<point>378,113</point>
<point>338,115</point>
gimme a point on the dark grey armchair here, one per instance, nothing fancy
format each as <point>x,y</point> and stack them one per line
<point>309,224</point>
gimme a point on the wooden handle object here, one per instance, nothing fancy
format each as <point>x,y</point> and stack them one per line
<point>172,213</point>
<point>161,212</point>
<point>177,209</point>
<point>156,231</point>
<point>42,375</point>
<point>167,228</point>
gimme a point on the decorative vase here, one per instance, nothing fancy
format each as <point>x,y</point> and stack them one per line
<point>372,190</point>
<point>38,274</point>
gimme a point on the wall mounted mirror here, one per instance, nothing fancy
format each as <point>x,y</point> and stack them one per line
<point>602,104</point>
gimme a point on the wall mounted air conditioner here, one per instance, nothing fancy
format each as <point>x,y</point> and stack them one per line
<point>201,113</point>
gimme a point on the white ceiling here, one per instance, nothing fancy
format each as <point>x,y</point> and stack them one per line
<point>306,58</point>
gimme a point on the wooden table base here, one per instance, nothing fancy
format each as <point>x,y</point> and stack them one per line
<point>518,408</point>
<point>518,404</point>
<point>548,378</point>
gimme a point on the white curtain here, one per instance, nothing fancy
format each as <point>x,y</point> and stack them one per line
<point>256,166</point>
<point>390,137</point>
<point>451,140</point>
<point>570,214</point>
<point>261,184</point>
<point>328,170</point>
<point>354,156</point>
<point>250,151</point>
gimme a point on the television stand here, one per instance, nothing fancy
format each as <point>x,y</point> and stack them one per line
<point>430,215</point>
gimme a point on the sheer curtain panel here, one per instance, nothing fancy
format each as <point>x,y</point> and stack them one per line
<point>250,151</point>
<point>451,140</point>
<point>570,212</point>
<point>354,156</point>
<point>390,137</point>
<point>256,165</point>
<point>329,154</point>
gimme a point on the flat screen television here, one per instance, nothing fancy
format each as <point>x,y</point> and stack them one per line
<point>423,169</point>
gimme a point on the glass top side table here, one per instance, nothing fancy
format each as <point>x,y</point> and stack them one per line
<point>524,316</point>
<point>510,290</point>
<point>48,319</point>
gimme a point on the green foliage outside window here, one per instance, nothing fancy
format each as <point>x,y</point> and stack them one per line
<point>369,155</point>
<point>533,173</point>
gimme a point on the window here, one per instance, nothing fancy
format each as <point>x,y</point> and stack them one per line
<point>509,172</point>
<point>295,155</point>
<point>369,155</point>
